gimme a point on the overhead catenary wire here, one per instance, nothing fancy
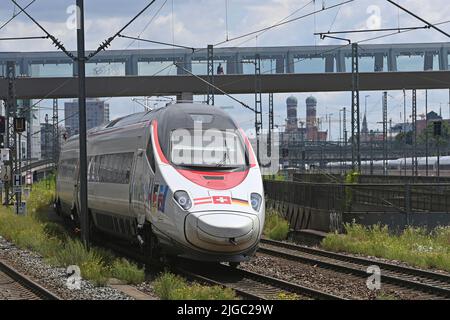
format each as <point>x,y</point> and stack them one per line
<point>261,31</point>
<point>226,20</point>
<point>334,20</point>
<point>23,38</point>
<point>431,25</point>
<point>105,44</point>
<point>371,30</point>
<point>142,31</point>
<point>276,25</point>
<point>156,42</point>
<point>55,41</point>
<point>153,17</point>
<point>216,88</point>
<point>16,14</point>
<point>285,18</point>
<point>321,54</point>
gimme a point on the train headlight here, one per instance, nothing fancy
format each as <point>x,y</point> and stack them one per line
<point>256,200</point>
<point>183,199</point>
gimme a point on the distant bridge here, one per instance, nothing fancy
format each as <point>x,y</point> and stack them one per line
<point>283,59</point>
<point>49,88</point>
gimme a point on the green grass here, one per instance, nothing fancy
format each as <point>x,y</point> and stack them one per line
<point>276,177</point>
<point>172,287</point>
<point>275,227</point>
<point>41,197</point>
<point>383,296</point>
<point>35,233</point>
<point>287,296</point>
<point>414,246</point>
<point>127,271</point>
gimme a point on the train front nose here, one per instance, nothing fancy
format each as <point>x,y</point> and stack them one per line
<point>222,232</point>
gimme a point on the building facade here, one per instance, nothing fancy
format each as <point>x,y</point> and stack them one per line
<point>97,113</point>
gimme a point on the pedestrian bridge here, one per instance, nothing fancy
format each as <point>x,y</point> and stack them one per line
<point>238,60</point>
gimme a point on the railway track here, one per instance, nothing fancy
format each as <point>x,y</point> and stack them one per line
<point>251,285</point>
<point>430,284</point>
<point>246,284</point>
<point>16,286</point>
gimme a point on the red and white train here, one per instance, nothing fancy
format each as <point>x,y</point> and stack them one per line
<point>182,180</point>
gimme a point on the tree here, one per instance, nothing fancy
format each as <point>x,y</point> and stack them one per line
<point>405,137</point>
<point>444,139</point>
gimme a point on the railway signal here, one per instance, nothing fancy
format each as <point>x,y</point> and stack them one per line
<point>2,125</point>
<point>437,128</point>
<point>20,125</point>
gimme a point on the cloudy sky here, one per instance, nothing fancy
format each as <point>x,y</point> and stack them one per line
<point>198,23</point>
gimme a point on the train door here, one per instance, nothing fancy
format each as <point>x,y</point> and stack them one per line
<point>76,186</point>
<point>137,196</point>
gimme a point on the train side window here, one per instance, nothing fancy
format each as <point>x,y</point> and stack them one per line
<point>115,168</point>
<point>126,170</point>
<point>151,155</point>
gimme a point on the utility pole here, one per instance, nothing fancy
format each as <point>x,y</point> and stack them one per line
<point>29,115</point>
<point>340,140</point>
<point>414,127</point>
<point>11,136</point>
<point>356,126</point>
<point>46,139</point>
<point>404,128</point>
<point>258,103</point>
<point>329,126</point>
<point>344,125</point>
<point>271,125</point>
<point>55,132</point>
<point>83,206</point>
<point>344,131</point>
<point>426,131</point>
<point>210,67</point>
<point>385,133</point>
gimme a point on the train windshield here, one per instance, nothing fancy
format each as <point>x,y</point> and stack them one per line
<point>207,148</point>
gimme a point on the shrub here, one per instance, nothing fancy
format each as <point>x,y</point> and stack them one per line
<point>166,284</point>
<point>50,240</point>
<point>275,227</point>
<point>75,253</point>
<point>287,296</point>
<point>414,246</point>
<point>127,271</point>
<point>172,287</point>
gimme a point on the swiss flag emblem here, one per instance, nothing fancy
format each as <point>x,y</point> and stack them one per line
<point>221,200</point>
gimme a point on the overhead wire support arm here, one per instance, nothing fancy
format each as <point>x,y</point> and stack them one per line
<point>105,44</point>
<point>55,41</point>
<point>156,42</point>
<point>215,87</point>
<point>23,38</point>
<point>431,25</point>
<point>328,33</point>
<point>323,36</point>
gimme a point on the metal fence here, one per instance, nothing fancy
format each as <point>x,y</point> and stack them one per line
<point>401,198</point>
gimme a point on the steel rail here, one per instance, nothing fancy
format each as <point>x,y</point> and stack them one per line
<point>255,285</point>
<point>430,282</point>
<point>27,283</point>
<point>246,284</point>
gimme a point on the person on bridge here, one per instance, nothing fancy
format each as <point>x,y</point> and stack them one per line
<point>220,69</point>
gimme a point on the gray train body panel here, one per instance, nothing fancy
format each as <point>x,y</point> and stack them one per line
<point>132,181</point>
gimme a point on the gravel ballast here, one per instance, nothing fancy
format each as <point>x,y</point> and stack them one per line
<point>52,278</point>
<point>340,284</point>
